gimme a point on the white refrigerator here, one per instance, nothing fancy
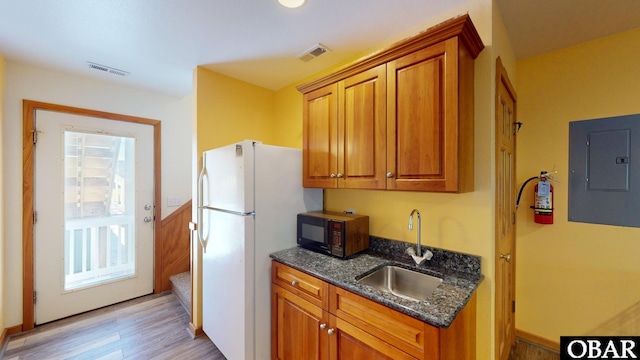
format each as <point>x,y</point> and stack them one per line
<point>249,195</point>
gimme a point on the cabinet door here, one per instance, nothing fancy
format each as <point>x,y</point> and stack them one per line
<point>422,119</point>
<point>362,130</point>
<point>298,328</point>
<point>320,138</point>
<point>349,342</point>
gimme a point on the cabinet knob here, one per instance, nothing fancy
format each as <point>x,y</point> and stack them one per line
<point>330,331</point>
<point>339,175</point>
<point>294,283</point>
<point>506,258</point>
<point>323,326</point>
<point>389,175</point>
<point>332,176</point>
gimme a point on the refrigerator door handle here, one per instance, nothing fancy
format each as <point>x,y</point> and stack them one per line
<point>252,213</point>
<point>200,200</point>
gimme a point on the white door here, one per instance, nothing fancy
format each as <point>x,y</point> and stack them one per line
<point>93,230</point>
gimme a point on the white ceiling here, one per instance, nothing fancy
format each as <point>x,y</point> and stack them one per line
<point>160,42</point>
<point>539,26</point>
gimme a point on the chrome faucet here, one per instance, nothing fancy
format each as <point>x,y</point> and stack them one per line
<point>417,255</point>
<point>415,211</point>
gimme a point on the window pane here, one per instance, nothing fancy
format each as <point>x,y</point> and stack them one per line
<point>99,208</point>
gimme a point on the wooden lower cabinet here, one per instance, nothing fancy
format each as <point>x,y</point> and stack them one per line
<point>296,327</point>
<point>302,330</point>
<point>343,325</point>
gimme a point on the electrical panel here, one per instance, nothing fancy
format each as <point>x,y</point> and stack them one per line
<point>604,171</point>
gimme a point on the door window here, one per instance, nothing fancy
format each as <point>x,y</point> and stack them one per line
<point>99,195</point>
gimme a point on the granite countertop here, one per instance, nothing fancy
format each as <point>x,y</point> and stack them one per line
<point>460,274</point>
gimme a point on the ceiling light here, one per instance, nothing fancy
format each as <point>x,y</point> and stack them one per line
<point>291,3</point>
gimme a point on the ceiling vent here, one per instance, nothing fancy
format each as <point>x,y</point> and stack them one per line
<point>312,53</point>
<point>107,69</point>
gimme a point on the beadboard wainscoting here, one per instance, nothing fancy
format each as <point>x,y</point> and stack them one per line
<point>176,251</point>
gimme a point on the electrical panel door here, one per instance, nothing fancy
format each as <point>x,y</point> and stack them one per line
<point>604,166</point>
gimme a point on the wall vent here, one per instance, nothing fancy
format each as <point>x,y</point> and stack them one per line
<point>313,52</point>
<point>107,69</point>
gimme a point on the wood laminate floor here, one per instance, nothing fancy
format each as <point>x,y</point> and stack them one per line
<point>526,351</point>
<point>150,327</point>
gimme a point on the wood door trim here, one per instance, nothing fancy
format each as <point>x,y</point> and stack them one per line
<point>29,108</point>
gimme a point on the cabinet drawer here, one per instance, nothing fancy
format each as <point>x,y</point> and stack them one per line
<point>402,331</point>
<point>304,285</point>
<point>351,342</point>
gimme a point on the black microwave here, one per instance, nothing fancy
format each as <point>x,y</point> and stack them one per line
<point>333,233</point>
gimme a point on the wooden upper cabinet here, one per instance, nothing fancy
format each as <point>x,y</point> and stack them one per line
<point>320,138</point>
<point>404,117</point>
<point>362,130</point>
<point>426,148</point>
<point>344,133</point>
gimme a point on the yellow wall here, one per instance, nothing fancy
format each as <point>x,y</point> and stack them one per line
<point>230,110</point>
<point>572,277</point>
<point>226,110</point>
<point>501,45</point>
<point>2,208</point>
<point>288,108</point>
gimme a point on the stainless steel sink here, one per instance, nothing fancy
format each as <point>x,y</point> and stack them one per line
<point>401,282</point>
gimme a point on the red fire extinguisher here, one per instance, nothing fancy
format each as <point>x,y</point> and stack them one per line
<point>543,197</point>
<point>543,201</point>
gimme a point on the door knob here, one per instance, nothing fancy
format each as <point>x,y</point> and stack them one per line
<point>148,207</point>
<point>506,258</point>
<point>389,175</point>
<point>147,219</point>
